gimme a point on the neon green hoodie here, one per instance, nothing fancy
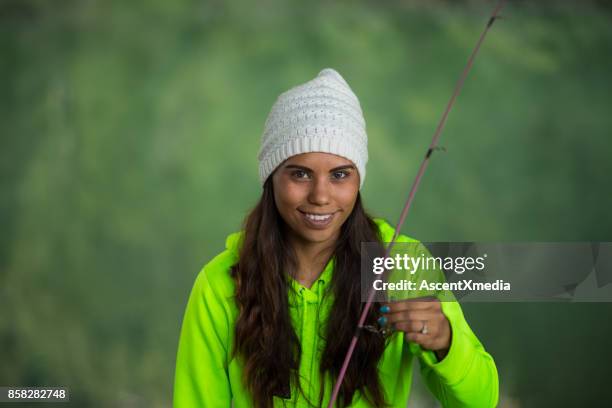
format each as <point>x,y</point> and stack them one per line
<point>207,376</point>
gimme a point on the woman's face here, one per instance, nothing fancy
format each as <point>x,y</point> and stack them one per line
<point>315,193</point>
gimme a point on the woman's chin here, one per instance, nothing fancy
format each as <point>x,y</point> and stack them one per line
<point>317,236</point>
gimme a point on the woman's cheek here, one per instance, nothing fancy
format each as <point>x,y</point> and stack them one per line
<point>347,198</point>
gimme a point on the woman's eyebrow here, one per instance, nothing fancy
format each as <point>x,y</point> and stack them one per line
<point>295,166</point>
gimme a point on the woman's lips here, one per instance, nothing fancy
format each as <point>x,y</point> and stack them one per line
<point>316,220</point>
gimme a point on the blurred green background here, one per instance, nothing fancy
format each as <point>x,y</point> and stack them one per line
<point>129,134</point>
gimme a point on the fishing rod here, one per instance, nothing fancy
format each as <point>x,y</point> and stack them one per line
<point>432,147</point>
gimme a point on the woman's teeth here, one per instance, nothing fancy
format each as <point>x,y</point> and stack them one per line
<point>322,217</point>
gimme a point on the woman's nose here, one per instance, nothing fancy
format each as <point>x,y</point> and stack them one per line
<point>319,192</point>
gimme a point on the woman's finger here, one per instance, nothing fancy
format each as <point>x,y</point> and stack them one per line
<point>411,315</point>
<point>414,326</point>
<point>419,338</point>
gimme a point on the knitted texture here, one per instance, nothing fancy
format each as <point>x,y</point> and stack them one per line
<point>321,115</point>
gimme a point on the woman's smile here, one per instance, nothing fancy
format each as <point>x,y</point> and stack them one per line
<point>317,220</point>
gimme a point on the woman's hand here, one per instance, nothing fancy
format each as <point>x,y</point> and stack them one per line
<point>423,322</point>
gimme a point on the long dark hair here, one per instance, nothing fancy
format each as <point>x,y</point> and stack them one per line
<point>264,335</point>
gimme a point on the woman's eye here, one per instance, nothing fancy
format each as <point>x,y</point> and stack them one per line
<point>300,174</point>
<point>340,175</point>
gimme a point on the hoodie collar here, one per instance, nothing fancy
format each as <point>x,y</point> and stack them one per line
<point>315,293</point>
<point>233,243</point>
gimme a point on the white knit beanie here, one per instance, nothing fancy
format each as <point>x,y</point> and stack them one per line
<point>321,115</point>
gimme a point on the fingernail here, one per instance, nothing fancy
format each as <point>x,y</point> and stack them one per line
<point>385,309</point>
<point>382,320</point>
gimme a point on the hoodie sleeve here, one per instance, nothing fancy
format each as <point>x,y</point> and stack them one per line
<point>467,376</point>
<point>201,378</point>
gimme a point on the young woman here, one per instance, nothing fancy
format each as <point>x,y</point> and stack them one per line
<point>269,320</point>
